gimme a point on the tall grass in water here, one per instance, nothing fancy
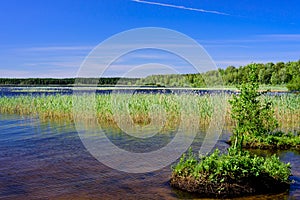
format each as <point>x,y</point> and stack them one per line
<point>46,107</point>
<point>168,108</point>
<point>287,111</point>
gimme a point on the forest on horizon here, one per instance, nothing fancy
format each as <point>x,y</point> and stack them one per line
<point>270,74</point>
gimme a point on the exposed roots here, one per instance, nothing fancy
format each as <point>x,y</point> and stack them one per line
<point>252,185</point>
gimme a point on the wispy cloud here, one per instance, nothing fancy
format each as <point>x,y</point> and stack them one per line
<point>285,37</point>
<point>60,63</point>
<point>60,48</point>
<point>181,7</point>
<point>254,39</point>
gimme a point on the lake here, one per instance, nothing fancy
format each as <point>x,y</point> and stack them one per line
<point>37,91</point>
<point>47,160</point>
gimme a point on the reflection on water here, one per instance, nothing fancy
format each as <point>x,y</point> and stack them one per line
<point>46,160</point>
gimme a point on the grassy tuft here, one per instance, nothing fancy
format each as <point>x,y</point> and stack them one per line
<point>231,174</point>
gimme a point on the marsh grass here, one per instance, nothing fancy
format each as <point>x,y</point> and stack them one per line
<point>144,109</point>
<point>287,111</point>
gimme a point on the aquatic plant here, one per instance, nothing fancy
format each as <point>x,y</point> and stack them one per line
<point>60,107</point>
<point>231,174</point>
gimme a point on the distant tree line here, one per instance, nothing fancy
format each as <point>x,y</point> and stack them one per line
<point>35,81</point>
<point>64,81</point>
<point>285,74</point>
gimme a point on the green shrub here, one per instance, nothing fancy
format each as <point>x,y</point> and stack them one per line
<point>252,115</point>
<point>294,85</point>
<point>231,167</point>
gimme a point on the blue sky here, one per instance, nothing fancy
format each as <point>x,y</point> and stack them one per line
<point>51,38</point>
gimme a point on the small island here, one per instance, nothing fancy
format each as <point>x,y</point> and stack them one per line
<point>240,172</point>
<point>230,175</point>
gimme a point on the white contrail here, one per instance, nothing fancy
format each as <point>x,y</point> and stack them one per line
<point>180,7</point>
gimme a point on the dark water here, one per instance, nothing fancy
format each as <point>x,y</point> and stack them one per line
<point>38,91</point>
<point>46,160</point>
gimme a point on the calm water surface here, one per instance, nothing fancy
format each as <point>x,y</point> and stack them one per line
<point>46,160</point>
<point>38,91</point>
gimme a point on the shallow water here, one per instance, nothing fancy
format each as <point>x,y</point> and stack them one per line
<point>47,160</point>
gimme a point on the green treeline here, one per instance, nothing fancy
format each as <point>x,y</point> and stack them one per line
<point>285,74</point>
<point>36,81</point>
<point>64,81</point>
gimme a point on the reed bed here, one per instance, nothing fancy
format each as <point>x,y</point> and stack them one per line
<point>145,109</point>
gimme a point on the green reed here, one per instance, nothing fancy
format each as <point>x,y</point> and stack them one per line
<point>144,108</point>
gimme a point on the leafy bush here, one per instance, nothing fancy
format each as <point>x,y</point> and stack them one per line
<point>294,85</point>
<point>252,115</point>
<point>231,167</point>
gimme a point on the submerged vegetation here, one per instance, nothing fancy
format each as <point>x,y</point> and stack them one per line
<point>237,172</point>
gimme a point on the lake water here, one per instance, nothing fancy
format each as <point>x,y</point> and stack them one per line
<point>47,160</point>
<point>37,91</point>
